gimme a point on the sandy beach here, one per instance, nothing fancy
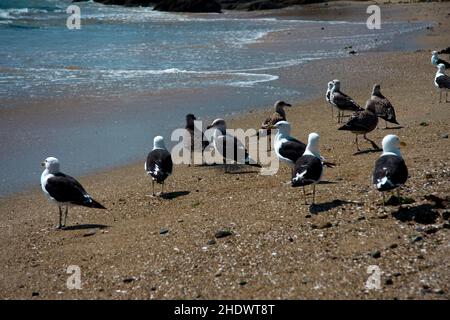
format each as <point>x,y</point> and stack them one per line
<point>164,248</point>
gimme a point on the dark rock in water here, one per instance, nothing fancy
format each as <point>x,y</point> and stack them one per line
<point>376,254</point>
<point>189,6</point>
<point>389,282</point>
<point>444,136</point>
<point>242,282</point>
<point>126,3</point>
<point>35,294</point>
<point>352,52</point>
<point>265,5</point>
<point>223,233</point>
<point>211,242</point>
<point>393,246</point>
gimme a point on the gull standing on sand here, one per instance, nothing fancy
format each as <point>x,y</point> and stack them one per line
<point>328,97</point>
<point>195,141</point>
<point>64,190</point>
<point>159,163</point>
<point>362,122</point>
<point>221,139</point>
<point>308,168</point>
<point>390,169</point>
<point>381,106</point>
<point>278,115</point>
<point>287,148</point>
<point>435,60</point>
<point>342,101</point>
<point>442,82</point>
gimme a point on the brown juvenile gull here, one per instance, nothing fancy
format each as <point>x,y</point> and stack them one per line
<point>342,101</point>
<point>64,190</point>
<point>195,140</point>
<point>381,106</point>
<point>362,122</point>
<point>277,116</point>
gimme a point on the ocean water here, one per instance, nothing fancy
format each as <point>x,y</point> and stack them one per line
<point>95,97</point>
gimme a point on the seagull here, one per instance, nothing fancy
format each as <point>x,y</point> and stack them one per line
<point>195,139</point>
<point>308,168</point>
<point>328,97</point>
<point>390,169</point>
<point>159,163</point>
<point>342,101</point>
<point>287,148</point>
<point>362,122</point>
<point>278,115</point>
<point>221,139</point>
<point>64,190</point>
<point>442,81</point>
<point>435,60</point>
<point>381,106</point>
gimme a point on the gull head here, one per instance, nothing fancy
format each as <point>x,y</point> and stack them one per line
<point>391,144</point>
<point>313,143</point>
<point>283,127</point>
<point>330,85</point>
<point>51,164</point>
<point>190,118</point>
<point>218,124</point>
<point>281,104</point>
<point>336,84</point>
<point>158,143</point>
<point>376,89</point>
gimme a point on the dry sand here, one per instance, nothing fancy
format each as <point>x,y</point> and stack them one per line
<point>279,248</point>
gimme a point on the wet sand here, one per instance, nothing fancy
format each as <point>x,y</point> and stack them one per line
<point>280,248</point>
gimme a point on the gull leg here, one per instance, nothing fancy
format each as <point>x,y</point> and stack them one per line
<point>60,217</point>
<point>304,194</point>
<point>332,112</point>
<point>356,140</point>
<point>385,124</point>
<point>66,211</point>
<point>162,188</point>
<point>399,199</point>
<point>374,145</point>
<point>440,96</point>
<point>270,140</point>
<point>384,201</point>
<point>153,187</point>
<point>314,194</point>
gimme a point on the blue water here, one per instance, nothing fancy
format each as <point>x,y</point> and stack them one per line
<point>131,73</point>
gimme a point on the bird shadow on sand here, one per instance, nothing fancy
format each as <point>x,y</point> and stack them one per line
<point>326,206</point>
<point>367,151</point>
<point>85,226</point>
<point>423,214</point>
<point>173,195</point>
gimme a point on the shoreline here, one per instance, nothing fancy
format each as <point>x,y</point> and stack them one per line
<point>279,248</point>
